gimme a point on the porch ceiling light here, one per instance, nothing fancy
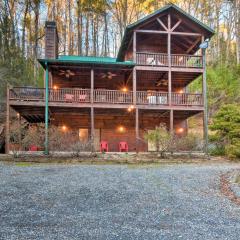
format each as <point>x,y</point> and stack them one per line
<point>124,89</point>
<point>64,128</point>
<point>121,129</point>
<point>55,87</point>
<point>130,108</point>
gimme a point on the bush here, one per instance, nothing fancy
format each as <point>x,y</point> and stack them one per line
<point>226,124</point>
<point>161,138</point>
<point>191,142</point>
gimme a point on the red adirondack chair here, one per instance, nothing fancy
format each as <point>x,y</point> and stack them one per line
<point>104,146</point>
<point>123,147</point>
<point>33,148</point>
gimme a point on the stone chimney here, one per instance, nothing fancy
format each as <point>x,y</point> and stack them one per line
<point>51,40</point>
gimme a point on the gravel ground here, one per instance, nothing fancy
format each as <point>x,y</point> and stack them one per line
<point>116,202</point>
<point>235,186</point>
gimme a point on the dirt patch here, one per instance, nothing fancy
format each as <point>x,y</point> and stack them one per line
<point>226,188</point>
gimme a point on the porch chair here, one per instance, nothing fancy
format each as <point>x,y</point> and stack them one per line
<point>33,148</point>
<point>82,97</point>
<point>104,146</point>
<point>68,97</point>
<point>123,147</point>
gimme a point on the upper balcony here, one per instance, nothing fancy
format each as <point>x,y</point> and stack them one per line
<point>104,97</point>
<point>162,60</point>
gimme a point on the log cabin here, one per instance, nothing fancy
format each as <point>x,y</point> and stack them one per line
<point>120,99</point>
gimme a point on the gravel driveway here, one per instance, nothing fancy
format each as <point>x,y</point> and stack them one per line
<point>116,202</point>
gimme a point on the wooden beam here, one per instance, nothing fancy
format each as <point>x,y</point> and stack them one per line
<point>162,24</point>
<point>137,129</point>
<point>92,129</point>
<point>134,86</point>
<point>193,45</point>
<point>7,132</point>
<point>186,34</point>
<point>134,46</point>
<point>170,88</point>
<point>173,33</point>
<point>92,85</point>
<point>171,122</point>
<point>169,22</point>
<point>176,25</point>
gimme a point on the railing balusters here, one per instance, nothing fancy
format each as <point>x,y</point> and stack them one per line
<point>67,95</point>
<point>161,59</point>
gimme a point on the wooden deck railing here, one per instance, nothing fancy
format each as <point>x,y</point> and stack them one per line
<point>161,59</point>
<point>187,99</point>
<point>26,93</point>
<point>157,98</point>
<point>152,59</point>
<point>77,95</point>
<point>112,96</point>
<point>181,60</point>
<point>69,95</point>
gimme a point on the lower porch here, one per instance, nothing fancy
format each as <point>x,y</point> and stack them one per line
<point>83,127</point>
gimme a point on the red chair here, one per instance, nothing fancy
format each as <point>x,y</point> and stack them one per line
<point>68,97</point>
<point>104,146</point>
<point>33,148</point>
<point>123,147</point>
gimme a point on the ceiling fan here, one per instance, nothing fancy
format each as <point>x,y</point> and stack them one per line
<point>68,73</point>
<point>108,75</point>
<point>161,82</point>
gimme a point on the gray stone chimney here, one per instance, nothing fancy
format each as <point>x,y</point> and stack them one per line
<point>51,40</point>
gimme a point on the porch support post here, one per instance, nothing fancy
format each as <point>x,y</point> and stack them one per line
<point>7,133</point>
<point>171,122</point>
<point>92,110</point>
<point>19,131</point>
<point>134,46</point>
<point>169,62</point>
<point>204,91</point>
<point>92,129</point>
<point>134,86</point>
<point>46,150</point>
<point>137,129</point>
<point>92,85</point>
<point>205,112</point>
<point>170,87</point>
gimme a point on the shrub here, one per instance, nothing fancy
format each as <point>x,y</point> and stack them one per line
<point>226,124</point>
<point>161,138</point>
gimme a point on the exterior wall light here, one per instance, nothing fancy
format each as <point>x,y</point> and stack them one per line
<point>180,130</point>
<point>55,87</point>
<point>64,128</point>
<point>124,89</point>
<point>121,129</point>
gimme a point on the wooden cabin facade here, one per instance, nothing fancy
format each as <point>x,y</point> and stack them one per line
<point>120,99</point>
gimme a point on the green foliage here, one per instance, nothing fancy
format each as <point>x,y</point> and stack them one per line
<point>226,127</point>
<point>160,137</point>
<point>223,86</point>
<point>19,71</point>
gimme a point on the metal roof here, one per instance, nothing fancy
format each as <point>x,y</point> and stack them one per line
<point>86,60</point>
